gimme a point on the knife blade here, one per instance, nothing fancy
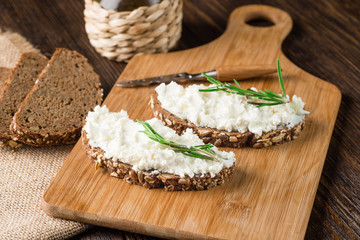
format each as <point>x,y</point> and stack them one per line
<point>223,73</point>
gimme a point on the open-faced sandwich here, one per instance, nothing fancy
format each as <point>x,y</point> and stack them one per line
<point>228,115</point>
<point>152,155</point>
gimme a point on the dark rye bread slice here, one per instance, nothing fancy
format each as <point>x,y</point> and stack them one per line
<point>17,86</point>
<point>222,138</point>
<point>53,111</point>
<point>4,75</point>
<point>146,179</point>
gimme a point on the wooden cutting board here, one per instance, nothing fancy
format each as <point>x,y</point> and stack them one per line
<point>271,193</point>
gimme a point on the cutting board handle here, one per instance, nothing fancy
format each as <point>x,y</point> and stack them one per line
<point>276,33</point>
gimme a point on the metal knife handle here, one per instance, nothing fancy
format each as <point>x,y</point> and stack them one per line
<point>231,72</point>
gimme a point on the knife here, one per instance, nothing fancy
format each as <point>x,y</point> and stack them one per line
<point>222,73</point>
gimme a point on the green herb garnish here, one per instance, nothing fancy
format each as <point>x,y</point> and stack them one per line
<point>268,96</point>
<point>199,151</point>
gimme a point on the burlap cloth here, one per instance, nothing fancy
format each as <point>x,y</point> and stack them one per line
<point>25,174</point>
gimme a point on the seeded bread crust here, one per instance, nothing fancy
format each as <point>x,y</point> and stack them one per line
<point>53,111</point>
<point>18,84</point>
<point>221,138</point>
<point>148,180</point>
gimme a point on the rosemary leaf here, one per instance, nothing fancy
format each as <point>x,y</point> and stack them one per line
<point>269,96</point>
<point>237,83</point>
<point>281,81</point>
<point>198,151</point>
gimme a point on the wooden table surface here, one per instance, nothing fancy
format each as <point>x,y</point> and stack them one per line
<point>325,41</point>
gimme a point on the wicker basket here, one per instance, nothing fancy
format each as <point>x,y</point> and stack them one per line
<point>122,35</point>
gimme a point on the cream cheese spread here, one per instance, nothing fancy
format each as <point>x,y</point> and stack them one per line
<point>226,111</point>
<point>120,139</point>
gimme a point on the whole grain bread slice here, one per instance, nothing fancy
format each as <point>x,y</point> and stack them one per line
<point>170,182</point>
<point>4,76</point>
<point>221,138</point>
<point>17,86</point>
<point>53,111</point>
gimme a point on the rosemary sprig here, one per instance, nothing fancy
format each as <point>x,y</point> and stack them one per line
<point>199,151</point>
<point>269,96</point>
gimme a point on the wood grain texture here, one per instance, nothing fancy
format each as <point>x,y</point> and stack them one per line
<point>324,41</point>
<point>270,187</point>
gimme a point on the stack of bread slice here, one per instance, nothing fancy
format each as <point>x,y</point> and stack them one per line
<point>44,102</point>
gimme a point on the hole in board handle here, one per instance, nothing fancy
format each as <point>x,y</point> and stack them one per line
<point>260,22</point>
